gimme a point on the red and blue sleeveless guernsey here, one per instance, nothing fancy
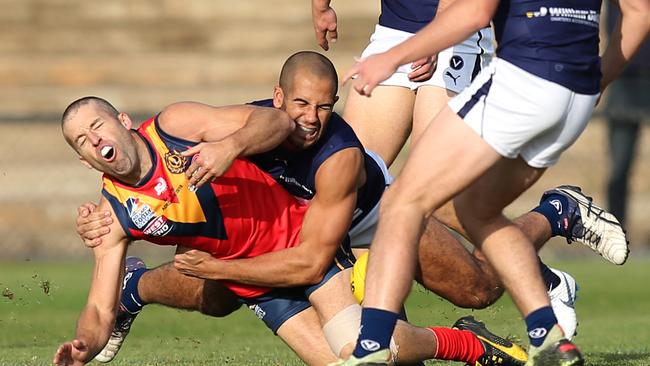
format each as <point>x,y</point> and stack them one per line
<point>242,214</point>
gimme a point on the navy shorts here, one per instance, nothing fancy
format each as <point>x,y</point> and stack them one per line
<point>279,305</point>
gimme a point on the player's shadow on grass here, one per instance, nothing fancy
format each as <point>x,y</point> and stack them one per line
<point>622,358</point>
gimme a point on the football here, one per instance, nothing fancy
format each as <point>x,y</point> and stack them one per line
<point>358,277</point>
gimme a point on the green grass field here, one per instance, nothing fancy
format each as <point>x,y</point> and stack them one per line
<point>41,301</point>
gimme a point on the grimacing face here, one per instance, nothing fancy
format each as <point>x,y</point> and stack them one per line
<point>102,141</point>
<point>310,103</point>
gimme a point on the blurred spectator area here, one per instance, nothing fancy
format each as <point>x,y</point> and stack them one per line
<point>145,54</point>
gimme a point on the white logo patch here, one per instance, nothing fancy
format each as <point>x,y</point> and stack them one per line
<point>160,187</point>
<point>127,277</point>
<point>537,333</point>
<point>369,345</point>
<point>158,227</point>
<point>258,311</point>
<point>139,212</point>
<point>586,17</point>
<point>558,206</point>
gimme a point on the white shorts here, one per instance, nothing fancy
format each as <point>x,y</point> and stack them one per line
<point>362,233</point>
<point>457,65</point>
<point>520,114</point>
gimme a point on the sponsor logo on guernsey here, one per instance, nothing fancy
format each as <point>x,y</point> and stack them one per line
<point>145,219</point>
<point>293,182</point>
<point>139,212</point>
<point>160,226</point>
<point>581,16</point>
<point>161,186</point>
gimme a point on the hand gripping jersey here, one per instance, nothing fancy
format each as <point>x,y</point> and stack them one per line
<point>242,214</point>
<point>296,171</point>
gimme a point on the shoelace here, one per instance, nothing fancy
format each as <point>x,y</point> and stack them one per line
<point>579,231</point>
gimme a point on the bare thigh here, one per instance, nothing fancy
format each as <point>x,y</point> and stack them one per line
<point>449,157</point>
<point>382,122</point>
<point>496,189</point>
<point>429,100</point>
<point>303,334</point>
<point>333,296</point>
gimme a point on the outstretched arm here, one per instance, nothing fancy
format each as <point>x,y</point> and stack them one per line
<point>224,133</point>
<point>629,33</point>
<point>324,227</point>
<point>97,317</point>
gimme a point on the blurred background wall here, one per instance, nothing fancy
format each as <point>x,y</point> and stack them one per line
<point>144,54</point>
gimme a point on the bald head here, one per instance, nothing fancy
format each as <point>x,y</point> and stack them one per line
<point>308,61</point>
<point>101,103</point>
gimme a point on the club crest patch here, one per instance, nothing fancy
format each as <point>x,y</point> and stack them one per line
<point>175,162</point>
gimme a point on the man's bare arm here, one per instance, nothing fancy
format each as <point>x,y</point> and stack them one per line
<point>224,133</point>
<point>629,33</point>
<point>96,320</point>
<point>324,227</point>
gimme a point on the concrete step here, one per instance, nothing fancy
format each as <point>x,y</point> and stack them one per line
<point>177,35</point>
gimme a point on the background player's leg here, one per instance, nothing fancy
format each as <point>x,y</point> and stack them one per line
<point>429,100</point>
<point>448,269</point>
<point>383,121</point>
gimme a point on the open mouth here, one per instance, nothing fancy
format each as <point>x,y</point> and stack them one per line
<point>107,152</point>
<point>307,132</point>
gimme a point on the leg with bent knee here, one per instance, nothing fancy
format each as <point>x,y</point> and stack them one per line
<point>448,269</point>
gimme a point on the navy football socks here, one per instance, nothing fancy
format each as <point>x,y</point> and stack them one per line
<point>556,210</point>
<point>539,323</point>
<point>131,300</point>
<point>377,327</point>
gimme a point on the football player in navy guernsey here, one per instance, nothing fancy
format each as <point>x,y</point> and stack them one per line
<point>408,99</point>
<point>321,161</point>
<point>403,105</point>
<point>492,142</point>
